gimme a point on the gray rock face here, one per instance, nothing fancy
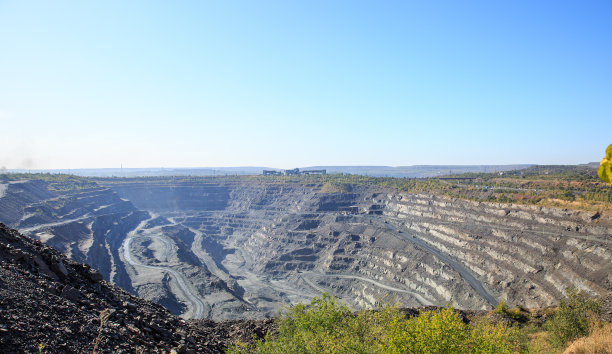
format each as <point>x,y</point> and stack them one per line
<point>59,268</point>
<point>70,293</point>
<point>242,249</point>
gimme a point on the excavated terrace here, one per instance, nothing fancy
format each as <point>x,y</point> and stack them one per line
<point>225,249</point>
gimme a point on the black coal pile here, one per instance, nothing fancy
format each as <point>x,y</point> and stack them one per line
<point>51,304</point>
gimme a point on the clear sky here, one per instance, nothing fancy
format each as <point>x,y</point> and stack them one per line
<point>299,83</point>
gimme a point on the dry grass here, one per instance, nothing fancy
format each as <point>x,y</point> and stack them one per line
<point>104,315</point>
<point>538,343</point>
<point>598,342</point>
<point>579,205</point>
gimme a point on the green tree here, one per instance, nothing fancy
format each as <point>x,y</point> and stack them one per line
<point>605,166</point>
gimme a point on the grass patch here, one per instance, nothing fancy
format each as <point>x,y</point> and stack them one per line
<point>598,341</point>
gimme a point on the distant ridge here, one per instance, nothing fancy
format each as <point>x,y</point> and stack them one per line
<point>152,171</point>
<point>416,171</point>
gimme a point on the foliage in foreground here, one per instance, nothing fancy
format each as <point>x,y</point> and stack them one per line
<point>572,318</point>
<point>605,166</point>
<point>598,341</point>
<point>327,326</point>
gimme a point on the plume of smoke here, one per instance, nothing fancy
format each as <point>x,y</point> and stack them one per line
<point>28,163</point>
<point>18,159</point>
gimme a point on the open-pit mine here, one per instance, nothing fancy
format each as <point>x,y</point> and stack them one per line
<point>224,248</point>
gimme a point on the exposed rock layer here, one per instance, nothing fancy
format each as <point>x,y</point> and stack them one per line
<point>244,248</point>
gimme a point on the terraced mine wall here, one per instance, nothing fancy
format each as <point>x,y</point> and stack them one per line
<point>242,249</point>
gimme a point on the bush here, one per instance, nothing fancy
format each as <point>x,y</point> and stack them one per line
<point>437,331</point>
<point>326,326</point>
<point>443,331</point>
<point>486,337</point>
<point>515,314</point>
<point>571,319</point>
<point>323,326</point>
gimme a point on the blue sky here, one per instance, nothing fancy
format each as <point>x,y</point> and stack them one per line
<point>299,83</point>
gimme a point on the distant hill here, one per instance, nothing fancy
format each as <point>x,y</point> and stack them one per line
<point>150,172</point>
<point>417,171</point>
<point>591,164</point>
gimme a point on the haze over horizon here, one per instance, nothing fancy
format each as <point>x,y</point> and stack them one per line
<point>286,84</point>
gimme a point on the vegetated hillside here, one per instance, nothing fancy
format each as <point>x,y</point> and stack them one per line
<point>54,304</point>
<point>574,187</point>
<point>241,247</point>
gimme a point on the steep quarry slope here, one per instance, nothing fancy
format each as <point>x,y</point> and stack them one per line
<point>88,225</point>
<point>49,300</point>
<point>239,248</point>
<point>527,255</point>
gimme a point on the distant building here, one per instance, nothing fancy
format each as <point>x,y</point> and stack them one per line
<point>295,171</point>
<point>314,172</point>
<point>272,173</point>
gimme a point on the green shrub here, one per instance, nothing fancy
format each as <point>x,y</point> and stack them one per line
<point>327,326</point>
<point>486,337</point>
<point>443,331</point>
<point>504,310</point>
<point>437,331</point>
<point>323,326</point>
<point>571,319</point>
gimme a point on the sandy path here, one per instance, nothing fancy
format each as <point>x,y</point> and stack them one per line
<point>3,188</point>
<point>418,296</point>
<point>197,304</point>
